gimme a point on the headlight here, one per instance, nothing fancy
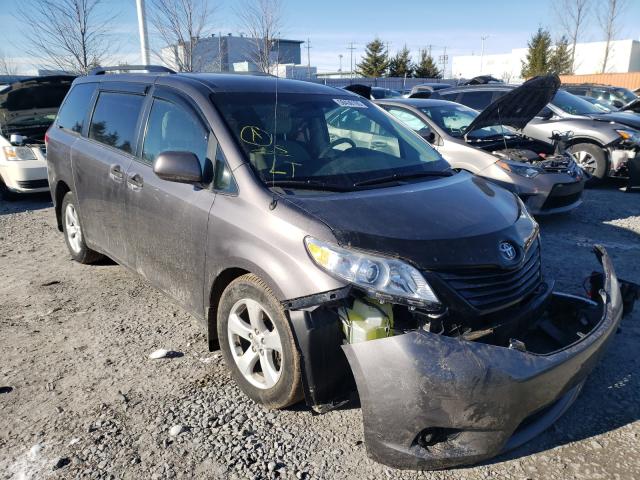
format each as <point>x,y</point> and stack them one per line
<point>382,278</point>
<point>19,153</point>
<point>523,170</point>
<point>629,136</point>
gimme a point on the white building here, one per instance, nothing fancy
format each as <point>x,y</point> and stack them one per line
<point>297,72</point>
<point>624,56</point>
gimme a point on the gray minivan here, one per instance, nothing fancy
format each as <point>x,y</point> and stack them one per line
<point>329,250</point>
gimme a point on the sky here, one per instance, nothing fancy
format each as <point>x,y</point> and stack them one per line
<point>331,25</point>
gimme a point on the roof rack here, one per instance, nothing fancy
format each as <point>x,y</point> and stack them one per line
<point>128,68</point>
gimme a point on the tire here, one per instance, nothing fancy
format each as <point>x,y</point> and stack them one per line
<point>5,193</point>
<point>268,376</point>
<point>72,230</point>
<point>591,159</point>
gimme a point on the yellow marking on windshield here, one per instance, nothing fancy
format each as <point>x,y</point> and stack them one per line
<point>255,136</point>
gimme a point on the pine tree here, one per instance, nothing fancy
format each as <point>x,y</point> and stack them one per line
<point>400,65</point>
<point>560,61</point>
<point>538,55</point>
<point>426,67</point>
<point>375,61</point>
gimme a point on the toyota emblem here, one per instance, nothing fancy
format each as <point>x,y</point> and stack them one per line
<point>507,250</point>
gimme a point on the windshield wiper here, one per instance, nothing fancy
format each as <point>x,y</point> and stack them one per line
<point>406,176</point>
<point>306,185</point>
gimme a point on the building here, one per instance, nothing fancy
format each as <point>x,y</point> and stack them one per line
<point>229,53</point>
<point>297,72</point>
<point>624,56</point>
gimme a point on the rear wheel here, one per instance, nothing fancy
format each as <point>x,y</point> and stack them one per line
<point>591,159</point>
<point>257,343</point>
<point>73,232</point>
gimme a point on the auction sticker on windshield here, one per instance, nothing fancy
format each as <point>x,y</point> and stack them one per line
<point>349,103</point>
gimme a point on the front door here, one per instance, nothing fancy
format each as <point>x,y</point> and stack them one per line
<point>167,221</point>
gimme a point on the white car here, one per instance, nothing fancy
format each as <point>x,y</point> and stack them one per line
<point>27,110</point>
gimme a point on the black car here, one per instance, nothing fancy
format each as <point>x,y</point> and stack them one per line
<point>616,97</point>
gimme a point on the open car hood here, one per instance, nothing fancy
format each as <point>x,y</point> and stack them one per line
<point>43,94</point>
<point>518,107</point>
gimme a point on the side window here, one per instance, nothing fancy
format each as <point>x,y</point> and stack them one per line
<point>410,119</point>
<point>172,128</point>
<point>477,100</point>
<point>115,118</point>
<point>74,109</point>
<point>223,179</point>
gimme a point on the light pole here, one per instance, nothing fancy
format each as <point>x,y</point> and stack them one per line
<point>142,29</point>
<point>340,58</point>
<point>483,38</point>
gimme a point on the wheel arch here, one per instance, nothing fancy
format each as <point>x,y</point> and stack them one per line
<point>60,191</point>
<point>595,143</point>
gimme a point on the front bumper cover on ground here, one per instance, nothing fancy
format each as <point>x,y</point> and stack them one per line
<point>431,401</point>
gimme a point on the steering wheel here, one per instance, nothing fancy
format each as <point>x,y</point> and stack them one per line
<point>335,143</point>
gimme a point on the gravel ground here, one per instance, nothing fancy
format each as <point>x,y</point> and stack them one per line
<point>81,398</point>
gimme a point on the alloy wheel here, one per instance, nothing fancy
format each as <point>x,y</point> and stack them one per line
<point>72,228</point>
<point>586,161</point>
<point>255,343</point>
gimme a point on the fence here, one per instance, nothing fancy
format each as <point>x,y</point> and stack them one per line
<point>394,83</point>
<point>629,80</point>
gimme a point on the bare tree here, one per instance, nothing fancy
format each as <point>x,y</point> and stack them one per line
<point>70,35</point>
<point>6,66</point>
<point>181,24</point>
<point>262,21</point>
<point>608,20</point>
<point>572,15</point>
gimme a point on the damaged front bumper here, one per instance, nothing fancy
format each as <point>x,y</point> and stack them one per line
<point>431,401</point>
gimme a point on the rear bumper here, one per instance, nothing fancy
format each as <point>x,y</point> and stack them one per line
<point>432,402</point>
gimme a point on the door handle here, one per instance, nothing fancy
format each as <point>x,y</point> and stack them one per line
<point>135,182</point>
<point>115,173</point>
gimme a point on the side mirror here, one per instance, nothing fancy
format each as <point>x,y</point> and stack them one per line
<point>545,113</point>
<point>427,134</point>
<point>181,167</point>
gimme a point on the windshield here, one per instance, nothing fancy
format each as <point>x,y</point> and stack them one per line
<point>334,141</point>
<point>455,119</point>
<point>572,104</point>
<point>625,95</point>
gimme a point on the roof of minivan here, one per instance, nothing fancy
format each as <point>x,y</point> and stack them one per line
<point>226,82</point>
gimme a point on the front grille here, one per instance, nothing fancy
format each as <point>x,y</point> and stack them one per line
<point>33,183</point>
<point>490,289</point>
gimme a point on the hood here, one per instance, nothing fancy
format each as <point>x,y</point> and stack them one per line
<point>629,119</point>
<point>44,94</point>
<point>517,107</point>
<point>453,221</point>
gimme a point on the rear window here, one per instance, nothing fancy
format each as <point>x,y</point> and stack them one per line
<point>476,100</point>
<point>73,111</point>
<point>115,118</point>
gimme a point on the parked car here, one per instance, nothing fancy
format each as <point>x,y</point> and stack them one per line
<point>320,241</point>
<point>599,145</point>
<point>27,109</point>
<point>547,181</point>
<point>616,97</point>
<point>379,92</point>
<point>425,89</point>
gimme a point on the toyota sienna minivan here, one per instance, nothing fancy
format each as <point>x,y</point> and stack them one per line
<point>329,250</point>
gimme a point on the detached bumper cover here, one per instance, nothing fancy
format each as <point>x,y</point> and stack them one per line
<point>472,400</point>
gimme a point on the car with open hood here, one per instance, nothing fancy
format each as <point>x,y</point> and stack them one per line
<point>600,144</point>
<point>27,109</point>
<point>488,144</point>
<point>328,250</point>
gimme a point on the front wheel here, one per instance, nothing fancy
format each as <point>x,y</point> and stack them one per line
<point>257,343</point>
<point>72,230</point>
<point>592,159</point>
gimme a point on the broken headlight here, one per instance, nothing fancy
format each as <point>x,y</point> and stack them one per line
<point>629,136</point>
<point>383,278</point>
<point>518,169</point>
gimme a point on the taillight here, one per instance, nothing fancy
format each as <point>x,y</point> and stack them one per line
<point>46,137</point>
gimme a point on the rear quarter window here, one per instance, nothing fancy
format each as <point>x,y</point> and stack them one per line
<point>74,109</point>
<point>115,119</point>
